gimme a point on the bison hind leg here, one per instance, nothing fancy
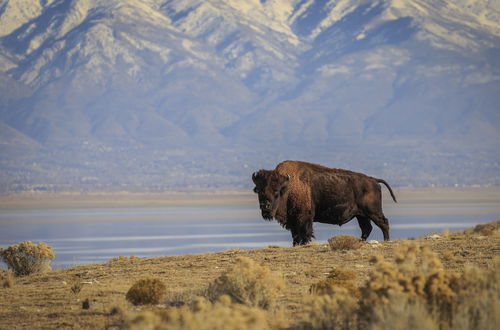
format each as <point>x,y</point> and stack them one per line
<point>366,227</point>
<point>381,222</point>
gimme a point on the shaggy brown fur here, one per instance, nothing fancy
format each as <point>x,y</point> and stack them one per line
<point>297,194</point>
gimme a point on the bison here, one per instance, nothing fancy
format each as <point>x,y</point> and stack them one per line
<point>297,194</point>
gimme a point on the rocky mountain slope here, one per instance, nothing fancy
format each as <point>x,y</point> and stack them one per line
<point>156,94</point>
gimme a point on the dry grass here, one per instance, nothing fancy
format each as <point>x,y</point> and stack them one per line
<point>146,292</point>
<point>27,258</point>
<point>344,242</point>
<point>76,286</point>
<point>248,283</point>
<point>404,287</point>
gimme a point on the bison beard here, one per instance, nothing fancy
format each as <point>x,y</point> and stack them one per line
<point>297,194</point>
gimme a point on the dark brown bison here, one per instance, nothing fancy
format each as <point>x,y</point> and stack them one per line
<point>297,194</point>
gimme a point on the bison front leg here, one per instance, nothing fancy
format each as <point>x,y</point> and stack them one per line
<point>302,230</point>
<point>295,236</point>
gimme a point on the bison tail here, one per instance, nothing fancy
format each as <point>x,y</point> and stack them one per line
<point>388,187</point>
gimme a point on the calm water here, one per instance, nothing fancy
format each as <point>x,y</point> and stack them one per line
<point>89,235</point>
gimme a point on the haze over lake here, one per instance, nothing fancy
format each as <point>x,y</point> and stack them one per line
<point>91,232</point>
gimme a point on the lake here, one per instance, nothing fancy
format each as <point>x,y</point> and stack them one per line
<point>89,233</point>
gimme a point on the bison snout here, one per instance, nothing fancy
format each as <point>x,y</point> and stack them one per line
<point>265,206</point>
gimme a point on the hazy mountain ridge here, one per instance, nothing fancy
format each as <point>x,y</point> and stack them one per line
<point>110,90</point>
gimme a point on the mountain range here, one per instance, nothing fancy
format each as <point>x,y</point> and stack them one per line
<point>172,94</point>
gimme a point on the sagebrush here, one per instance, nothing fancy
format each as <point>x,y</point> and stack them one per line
<point>337,278</point>
<point>412,292</point>
<point>336,310</point>
<point>27,258</point>
<point>202,315</point>
<point>248,283</point>
<point>147,291</point>
<point>344,242</point>
<point>487,229</point>
<point>470,300</point>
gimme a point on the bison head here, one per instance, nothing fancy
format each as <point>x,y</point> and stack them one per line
<point>270,186</point>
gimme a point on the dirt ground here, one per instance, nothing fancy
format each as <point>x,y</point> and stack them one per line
<point>46,301</point>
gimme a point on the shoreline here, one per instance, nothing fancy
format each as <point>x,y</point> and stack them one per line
<point>224,197</point>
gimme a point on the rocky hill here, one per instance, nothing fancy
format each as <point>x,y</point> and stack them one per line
<point>161,94</point>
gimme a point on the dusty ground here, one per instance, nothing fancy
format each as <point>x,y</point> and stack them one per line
<point>47,302</point>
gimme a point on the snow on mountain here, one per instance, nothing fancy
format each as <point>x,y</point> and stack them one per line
<point>129,83</point>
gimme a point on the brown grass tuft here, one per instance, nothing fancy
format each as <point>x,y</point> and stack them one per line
<point>146,292</point>
<point>76,286</point>
<point>7,279</point>
<point>248,283</point>
<point>344,242</point>
<point>27,258</point>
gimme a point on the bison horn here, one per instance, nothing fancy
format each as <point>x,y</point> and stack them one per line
<point>254,176</point>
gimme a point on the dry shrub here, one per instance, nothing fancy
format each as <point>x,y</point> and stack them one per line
<point>331,311</point>
<point>413,292</point>
<point>402,313</point>
<point>488,229</point>
<point>186,297</point>
<point>203,315</point>
<point>424,292</point>
<point>477,298</point>
<point>123,258</point>
<point>337,278</point>
<point>146,292</point>
<point>344,242</point>
<point>248,283</point>
<point>27,258</point>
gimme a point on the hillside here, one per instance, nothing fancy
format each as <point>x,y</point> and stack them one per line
<point>161,94</point>
<point>46,300</point>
